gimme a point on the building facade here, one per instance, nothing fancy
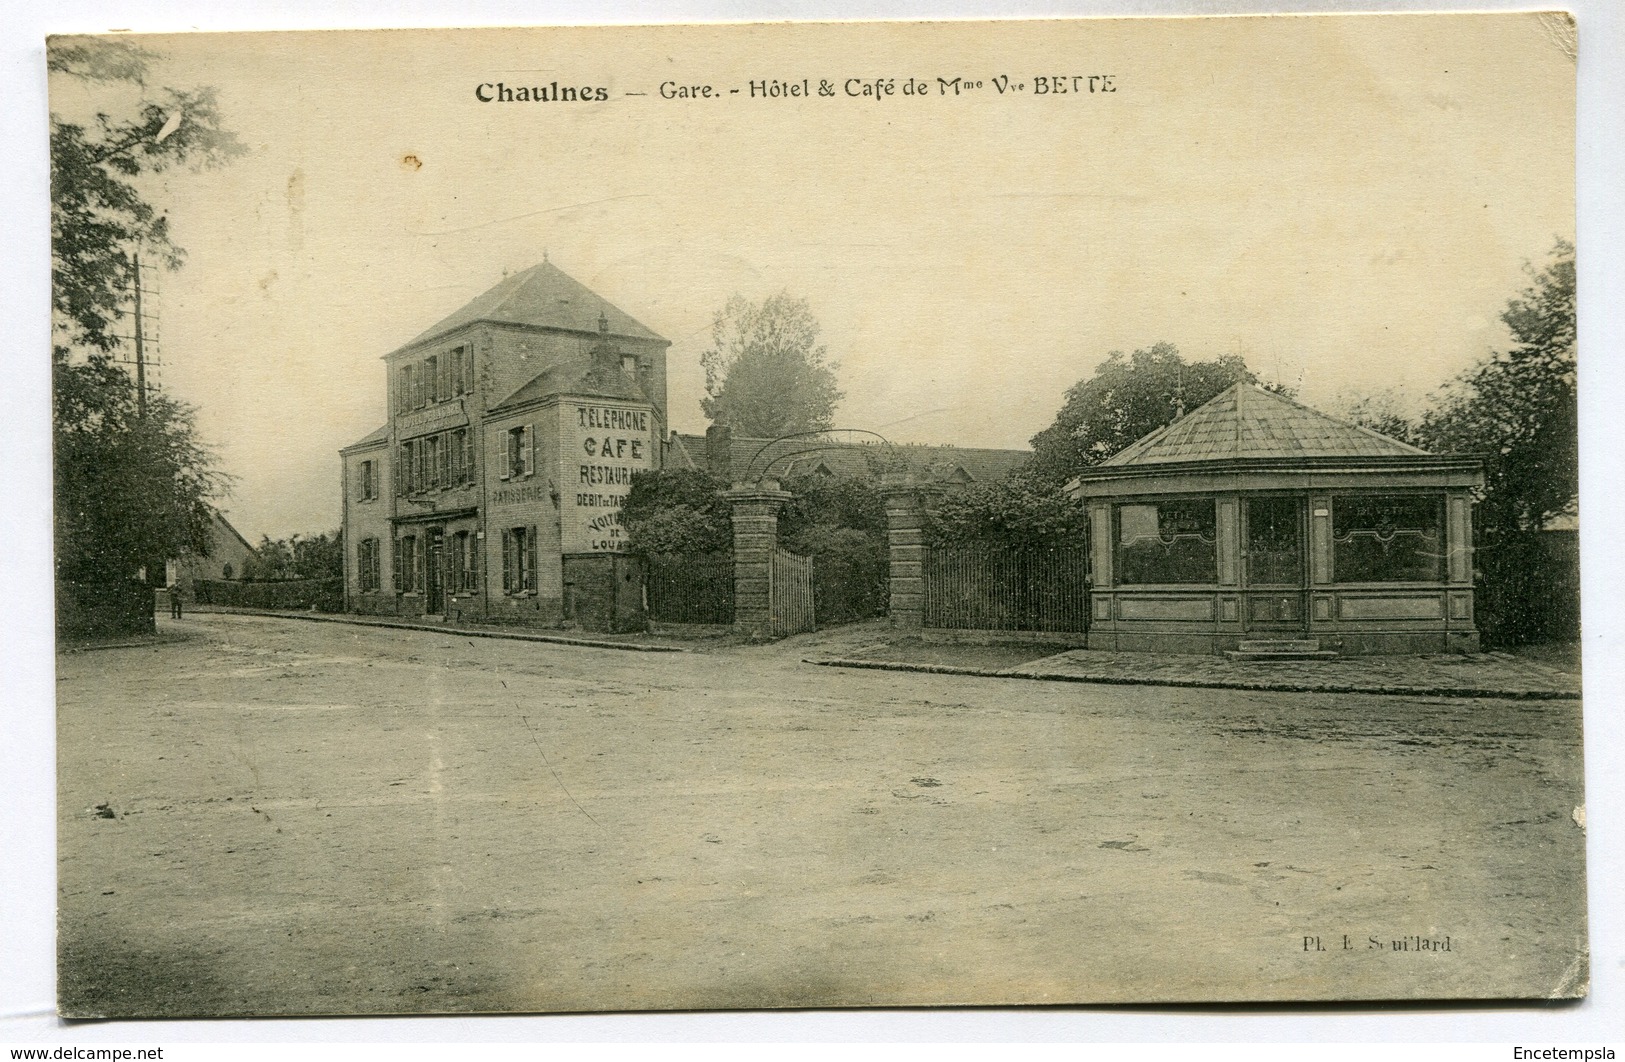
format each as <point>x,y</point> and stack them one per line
<point>226,559</point>
<point>493,492</point>
<point>1255,519</point>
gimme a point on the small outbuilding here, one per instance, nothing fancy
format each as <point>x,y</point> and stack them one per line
<point>1257,520</point>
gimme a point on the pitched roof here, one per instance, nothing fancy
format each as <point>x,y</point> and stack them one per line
<point>789,458</point>
<point>595,380</point>
<point>1247,421</point>
<point>377,435</point>
<point>542,296</point>
<point>221,521</point>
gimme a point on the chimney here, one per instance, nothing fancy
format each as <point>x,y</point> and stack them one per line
<point>719,451</point>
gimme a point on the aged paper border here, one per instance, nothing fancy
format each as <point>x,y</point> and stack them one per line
<point>26,897</point>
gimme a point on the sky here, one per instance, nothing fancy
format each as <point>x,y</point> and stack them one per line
<point>1347,203</point>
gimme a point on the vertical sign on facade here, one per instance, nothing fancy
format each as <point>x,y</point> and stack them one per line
<point>602,446</point>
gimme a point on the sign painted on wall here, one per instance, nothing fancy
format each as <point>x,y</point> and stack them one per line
<point>602,446</point>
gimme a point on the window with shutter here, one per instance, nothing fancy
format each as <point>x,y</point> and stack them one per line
<point>468,457</point>
<point>395,552</point>
<point>403,467</point>
<point>530,557</point>
<point>529,449</point>
<point>507,561</point>
<point>468,370</point>
<point>499,455</point>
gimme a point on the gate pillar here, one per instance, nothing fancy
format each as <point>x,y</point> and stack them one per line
<point>756,534</point>
<point>905,547</point>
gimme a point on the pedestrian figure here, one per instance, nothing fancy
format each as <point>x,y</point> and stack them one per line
<point>174,601</point>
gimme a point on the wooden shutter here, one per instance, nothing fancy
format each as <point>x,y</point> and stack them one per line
<point>468,370</point>
<point>468,455</point>
<point>530,557</point>
<point>507,561</point>
<point>528,449</point>
<point>395,550</point>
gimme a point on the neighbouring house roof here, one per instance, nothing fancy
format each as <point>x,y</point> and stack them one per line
<point>372,438</point>
<point>597,380</point>
<point>1247,422</point>
<point>792,458</point>
<point>542,296</point>
<point>221,523</point>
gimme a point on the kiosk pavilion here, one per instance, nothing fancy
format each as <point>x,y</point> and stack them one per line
<point>1254,524</point>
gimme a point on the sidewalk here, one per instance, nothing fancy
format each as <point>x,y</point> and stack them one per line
<point>1503,675</point>
<point>634,642</point>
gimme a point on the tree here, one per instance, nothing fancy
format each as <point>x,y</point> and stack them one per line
<point>766,374</point>
<point>1020,511</point>
<point>99,219</point>
<point>297,557</point>
<point>1518,409</point>
<point>1381,411</point>
<point>1129,396</point>
<point>132,478</point>
<point>1518,406</point>
<point>131,489</point>
<point>677,511</point>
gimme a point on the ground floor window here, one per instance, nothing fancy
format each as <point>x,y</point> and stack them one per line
<point>406,564</point>
<point>1388,539</point>
<point>1173,541</point>
<point>367,565</point>
<point>519,559</point>
<point>466,556</point>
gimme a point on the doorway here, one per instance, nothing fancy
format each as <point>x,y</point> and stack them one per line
<point>434,565</point>
<point>1275,588</point>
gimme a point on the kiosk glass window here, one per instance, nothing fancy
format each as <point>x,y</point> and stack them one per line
<point>1388,539</point>
<point>1172,541</point>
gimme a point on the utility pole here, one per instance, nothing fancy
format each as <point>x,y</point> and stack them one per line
<point>140,348</point>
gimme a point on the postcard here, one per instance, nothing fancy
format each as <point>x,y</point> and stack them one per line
<point>806,515</point>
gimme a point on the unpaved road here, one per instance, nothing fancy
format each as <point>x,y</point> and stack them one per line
<point>320,818</point>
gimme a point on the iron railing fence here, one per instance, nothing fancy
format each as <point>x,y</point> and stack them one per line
<point>691,587</point>
<point>976,588</point>
<point>790,592</point>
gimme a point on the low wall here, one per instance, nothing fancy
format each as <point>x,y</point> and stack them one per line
<point>322,595</point>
